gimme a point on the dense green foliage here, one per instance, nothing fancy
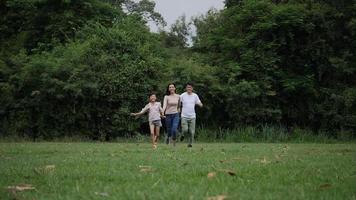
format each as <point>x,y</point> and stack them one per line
<point>291,63</point>
<point>85,87</point>
<point>77,68</point>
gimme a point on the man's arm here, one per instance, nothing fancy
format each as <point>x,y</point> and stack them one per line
<point>198,102</point>
<point>180,103</point>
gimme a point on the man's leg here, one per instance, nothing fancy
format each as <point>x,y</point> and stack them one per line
<point>184,124</point>
<point>191,131</point>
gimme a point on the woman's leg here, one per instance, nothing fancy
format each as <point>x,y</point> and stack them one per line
<point>168,127</point>
<point>175,122</point>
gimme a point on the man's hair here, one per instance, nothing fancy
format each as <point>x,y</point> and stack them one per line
<point>189,83</point>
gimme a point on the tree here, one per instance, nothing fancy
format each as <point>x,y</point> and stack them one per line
<point>178,35</point>
<point>284,62</point>
<point>145,8</point>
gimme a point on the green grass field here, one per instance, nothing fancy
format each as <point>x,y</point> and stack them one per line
<point>136,171</point>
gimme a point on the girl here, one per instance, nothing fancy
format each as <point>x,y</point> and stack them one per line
<point>154,117</point>
<point>171,111</point>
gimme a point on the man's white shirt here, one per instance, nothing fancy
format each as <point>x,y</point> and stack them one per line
<point>188,104</point>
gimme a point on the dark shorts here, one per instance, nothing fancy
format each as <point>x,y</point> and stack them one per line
<point>156,123</point>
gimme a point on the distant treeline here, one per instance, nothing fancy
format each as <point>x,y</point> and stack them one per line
<point>77,68</point>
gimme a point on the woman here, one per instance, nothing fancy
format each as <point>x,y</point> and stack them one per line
<point>171,111</point>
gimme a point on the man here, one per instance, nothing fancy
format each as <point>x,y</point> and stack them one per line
<point>188,101</point>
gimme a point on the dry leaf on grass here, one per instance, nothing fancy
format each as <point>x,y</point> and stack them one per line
<point>20,187</point>
<point>226,161</point>
<point>285,148</point>
<point>325,186</point>
<point>49,167</point>
<point>218,197</point>
<point>45,169</point>
<point>211,174</point>
<point>145,168</point>
<point>237,158</point>
<point>103,194</point>
<point>230,160</point>
<point>263,161</point>
<point>230,172</point>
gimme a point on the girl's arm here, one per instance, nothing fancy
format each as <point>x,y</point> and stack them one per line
<point>161,110</point>
<point>144,110</point>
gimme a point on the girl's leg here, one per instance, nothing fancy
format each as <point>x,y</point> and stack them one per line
<point>152,130</point>
<point>156,134</point>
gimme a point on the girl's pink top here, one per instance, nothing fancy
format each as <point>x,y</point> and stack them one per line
<point>154,111</point>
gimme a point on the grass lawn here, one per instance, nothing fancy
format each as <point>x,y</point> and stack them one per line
<point>136,171</point>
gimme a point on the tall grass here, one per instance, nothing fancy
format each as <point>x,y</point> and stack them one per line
<point>265,133</point>
<point>270,134</point>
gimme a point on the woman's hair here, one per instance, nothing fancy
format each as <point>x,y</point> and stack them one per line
<point>167,90</point>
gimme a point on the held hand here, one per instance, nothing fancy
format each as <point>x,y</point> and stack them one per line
<point>133,114</point>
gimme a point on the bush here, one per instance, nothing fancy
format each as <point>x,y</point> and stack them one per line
<point>87,87</point>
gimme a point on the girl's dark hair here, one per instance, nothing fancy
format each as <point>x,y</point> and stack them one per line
<point>150,94</point>
<point>167,90</point>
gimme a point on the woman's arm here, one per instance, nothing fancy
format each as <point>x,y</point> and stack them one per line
<point>179,106</point>
<point>165,99</point>
<point>180,102</point>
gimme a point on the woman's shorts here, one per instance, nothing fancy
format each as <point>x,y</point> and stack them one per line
<point>156,123</point>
